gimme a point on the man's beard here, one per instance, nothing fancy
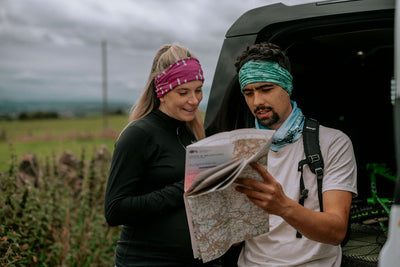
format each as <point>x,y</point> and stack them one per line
<point>268,122</point>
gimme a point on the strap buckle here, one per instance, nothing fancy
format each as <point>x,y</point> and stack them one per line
<point>304,195</point>
<point>313,158</point>
<point>319,172</point>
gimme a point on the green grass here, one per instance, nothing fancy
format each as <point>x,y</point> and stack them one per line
<point>47,138</point>
<point>17,129</point>
<point>58,221</point>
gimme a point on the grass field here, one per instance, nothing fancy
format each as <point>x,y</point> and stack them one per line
<point>47,138</point>
<point>57,221</point>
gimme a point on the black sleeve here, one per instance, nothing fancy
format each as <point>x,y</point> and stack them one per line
<point>124,201</point>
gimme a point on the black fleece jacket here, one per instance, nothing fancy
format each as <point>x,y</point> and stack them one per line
<point>145,191</point>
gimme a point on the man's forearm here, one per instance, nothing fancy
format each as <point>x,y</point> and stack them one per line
<point>318,226</point>
<point>329,226</point>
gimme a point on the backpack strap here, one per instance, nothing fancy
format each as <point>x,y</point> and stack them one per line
<point>313,158</point>
<point>313,154</point>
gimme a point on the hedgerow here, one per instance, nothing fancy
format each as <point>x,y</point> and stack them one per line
<point>54,222</point>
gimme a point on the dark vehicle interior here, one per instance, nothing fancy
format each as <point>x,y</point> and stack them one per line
<point>343,71</point>
<point>343,79</point>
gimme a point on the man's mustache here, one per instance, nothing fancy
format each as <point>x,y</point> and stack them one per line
<point>262,107</point>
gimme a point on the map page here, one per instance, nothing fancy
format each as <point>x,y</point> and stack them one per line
<point>218,215</point>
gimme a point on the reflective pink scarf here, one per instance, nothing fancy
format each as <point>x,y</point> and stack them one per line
<point>180,72</point>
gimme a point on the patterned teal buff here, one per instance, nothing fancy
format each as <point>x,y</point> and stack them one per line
<point>256,71</point>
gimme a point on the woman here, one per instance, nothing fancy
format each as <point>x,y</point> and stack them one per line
<point>145,187</point>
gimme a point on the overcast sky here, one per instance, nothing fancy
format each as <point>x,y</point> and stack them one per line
<point>51,49</point>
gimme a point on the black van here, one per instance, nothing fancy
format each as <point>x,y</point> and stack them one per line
<point>342,63</point>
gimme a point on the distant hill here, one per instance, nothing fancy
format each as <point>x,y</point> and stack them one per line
<point>68,108</point>
<point>63,108</point>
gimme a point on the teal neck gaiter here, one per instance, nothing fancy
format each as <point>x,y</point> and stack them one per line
<point>290,131</point>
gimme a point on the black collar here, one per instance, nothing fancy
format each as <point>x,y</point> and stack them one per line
<point>167,121</point>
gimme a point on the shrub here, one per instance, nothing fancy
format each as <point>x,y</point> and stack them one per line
<point>54,223</point>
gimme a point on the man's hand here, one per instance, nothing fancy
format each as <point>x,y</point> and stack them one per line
<point>268,195</point>
<point>327,227</point>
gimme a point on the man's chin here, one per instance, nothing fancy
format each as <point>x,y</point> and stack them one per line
<point>264,123</point>
<point>267,123</point>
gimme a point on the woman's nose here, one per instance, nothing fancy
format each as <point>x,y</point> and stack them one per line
<point>193,99</point>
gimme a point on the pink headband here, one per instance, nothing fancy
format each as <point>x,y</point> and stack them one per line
<point>180,72</point>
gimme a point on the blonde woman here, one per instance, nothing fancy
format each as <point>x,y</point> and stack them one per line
<point>145,187</point>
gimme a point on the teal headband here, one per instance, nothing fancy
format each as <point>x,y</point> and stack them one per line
<point>256,71</point>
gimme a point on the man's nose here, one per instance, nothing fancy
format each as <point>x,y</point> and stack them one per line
<point>258,100</point>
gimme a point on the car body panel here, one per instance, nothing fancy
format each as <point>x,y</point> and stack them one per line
<point>274,21</point>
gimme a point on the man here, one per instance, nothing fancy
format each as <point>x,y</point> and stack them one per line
<point>266,84</point>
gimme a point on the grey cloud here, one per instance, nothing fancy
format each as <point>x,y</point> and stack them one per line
<point>50,47</point>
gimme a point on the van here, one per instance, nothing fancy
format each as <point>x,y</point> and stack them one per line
<point>342,55</point>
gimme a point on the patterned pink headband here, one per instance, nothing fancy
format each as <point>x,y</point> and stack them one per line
<point>180,72</point>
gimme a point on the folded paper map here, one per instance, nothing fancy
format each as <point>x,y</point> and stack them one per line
<point>218,215</point>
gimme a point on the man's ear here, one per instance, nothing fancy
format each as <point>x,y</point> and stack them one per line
<point>162,100</point>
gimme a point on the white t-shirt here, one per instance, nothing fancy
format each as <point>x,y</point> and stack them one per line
<point>280,247</point>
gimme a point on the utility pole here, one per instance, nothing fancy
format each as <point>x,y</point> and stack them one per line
<point>104,68</point>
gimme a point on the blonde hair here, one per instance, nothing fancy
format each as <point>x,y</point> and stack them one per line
<point>164,57</point>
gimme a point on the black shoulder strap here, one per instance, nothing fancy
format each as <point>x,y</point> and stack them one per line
<point>313,154</point>
<point>313,159</point>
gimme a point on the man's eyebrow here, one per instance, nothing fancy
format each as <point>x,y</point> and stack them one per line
<point>259,87</point>
<point>263,86</point>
